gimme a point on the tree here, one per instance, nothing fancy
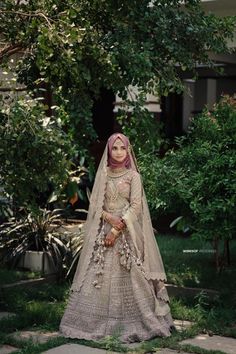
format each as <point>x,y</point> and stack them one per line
<point>198,180</point>
<point>77,48</point>
<point>33,154</point>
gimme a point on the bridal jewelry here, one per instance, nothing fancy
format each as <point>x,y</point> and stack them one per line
<point>117,172</point>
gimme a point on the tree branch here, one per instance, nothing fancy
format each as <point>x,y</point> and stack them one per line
<point>12,89</point>
<point>10,50</point>
<point>27,14</point>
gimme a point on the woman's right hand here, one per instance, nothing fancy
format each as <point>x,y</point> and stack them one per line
<point>110,240</point>
<point>116,222</point>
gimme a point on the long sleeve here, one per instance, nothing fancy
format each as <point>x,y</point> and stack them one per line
<point>135,199</point>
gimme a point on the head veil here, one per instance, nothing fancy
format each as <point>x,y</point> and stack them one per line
<point>151,258</point>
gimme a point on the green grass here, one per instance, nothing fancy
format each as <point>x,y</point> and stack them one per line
<point>11,276</point>
<point>42,307</point>
<point>195,269</point>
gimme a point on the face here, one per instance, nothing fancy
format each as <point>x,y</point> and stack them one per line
<point>118,152</point>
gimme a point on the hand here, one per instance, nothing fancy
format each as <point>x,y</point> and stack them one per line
<point>110,240</point>
<point>117,222</point>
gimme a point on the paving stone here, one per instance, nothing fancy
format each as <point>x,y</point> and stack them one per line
<point>181,325</point>
<point>76,349</point>
<point>169,351</point>
<point>6,314</point>
<point>35,336</point>
<point>7,349</point>
<point>225,344</point>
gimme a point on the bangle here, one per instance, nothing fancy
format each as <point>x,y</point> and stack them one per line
<point>104,216</point>
<point>115,232</point>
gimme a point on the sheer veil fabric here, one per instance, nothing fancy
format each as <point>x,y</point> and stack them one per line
<point>140,230</point>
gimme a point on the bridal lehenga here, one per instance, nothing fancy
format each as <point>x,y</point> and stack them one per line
<point>118,290</point>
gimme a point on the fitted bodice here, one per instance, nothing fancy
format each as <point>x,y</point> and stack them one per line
<point>117,196</point>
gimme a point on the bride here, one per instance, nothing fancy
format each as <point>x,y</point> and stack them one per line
<point>118,287</point>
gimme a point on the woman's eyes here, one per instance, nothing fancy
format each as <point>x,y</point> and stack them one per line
<point>116,148</point>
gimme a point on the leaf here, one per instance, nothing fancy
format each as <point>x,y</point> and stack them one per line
<point>175,221</point>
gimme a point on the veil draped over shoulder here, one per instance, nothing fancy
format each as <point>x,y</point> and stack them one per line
<point>140,230</point>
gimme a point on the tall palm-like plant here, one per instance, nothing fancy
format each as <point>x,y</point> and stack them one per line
<point>75,245</point>
<point>35,232</point>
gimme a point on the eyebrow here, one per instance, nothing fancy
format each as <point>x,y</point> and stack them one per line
<point>119,146</point>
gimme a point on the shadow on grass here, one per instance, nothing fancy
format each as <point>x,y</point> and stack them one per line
<point>42,307</point>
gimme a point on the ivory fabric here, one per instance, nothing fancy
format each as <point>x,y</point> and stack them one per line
<point>118,290</point>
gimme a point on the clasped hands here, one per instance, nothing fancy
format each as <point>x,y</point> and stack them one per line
<point>118,224</point>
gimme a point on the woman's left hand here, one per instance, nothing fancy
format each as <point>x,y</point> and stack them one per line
<point>110,240</point>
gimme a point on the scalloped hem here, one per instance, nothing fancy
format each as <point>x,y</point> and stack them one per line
<point>156,276</point>
<point>131,338</point>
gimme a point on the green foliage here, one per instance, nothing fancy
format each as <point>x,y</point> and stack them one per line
<point>198,180</point>
<point>75,244</point>
<point>33,153</point>
<point>37,232</point>
<point>100,43</point>
<point>76,49</point>
<point>39,306</point>
<point>76,118</point>
<point>188,263</point>
<point>8,276</point>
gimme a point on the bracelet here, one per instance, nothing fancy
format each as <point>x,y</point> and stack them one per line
<point>104,216</point>
<point>115,232</point>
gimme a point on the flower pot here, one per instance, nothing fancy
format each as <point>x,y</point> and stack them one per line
<point>37,261</point>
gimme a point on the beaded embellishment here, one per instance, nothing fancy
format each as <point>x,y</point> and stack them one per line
<point>98,255</point>
<point>125,255</point>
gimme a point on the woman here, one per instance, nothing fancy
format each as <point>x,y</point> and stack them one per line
<point>118,287</point>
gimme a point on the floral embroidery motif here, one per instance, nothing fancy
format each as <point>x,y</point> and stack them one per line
<point>98,255</point>
<point>125,253</point>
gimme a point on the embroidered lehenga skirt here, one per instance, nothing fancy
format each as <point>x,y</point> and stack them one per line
<point>113,294</point>
<point>116,301</point>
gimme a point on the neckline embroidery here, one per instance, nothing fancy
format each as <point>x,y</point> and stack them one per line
<point>117,174</point>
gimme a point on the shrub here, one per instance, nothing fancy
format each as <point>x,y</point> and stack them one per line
<point>198,180</point>
<point>33,153</point>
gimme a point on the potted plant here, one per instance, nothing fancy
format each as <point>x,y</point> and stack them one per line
<point>34,242</point>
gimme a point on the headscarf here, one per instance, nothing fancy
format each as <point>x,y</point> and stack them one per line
<point>113,163</point>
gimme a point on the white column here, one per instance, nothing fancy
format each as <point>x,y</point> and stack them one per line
<point>211,93</point>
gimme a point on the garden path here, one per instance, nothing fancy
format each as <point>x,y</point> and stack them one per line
<point>224,344</point>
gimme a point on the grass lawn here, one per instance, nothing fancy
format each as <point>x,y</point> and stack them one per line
<point>190,263</point>
<point>196,269</point>
<point>42,307</point>
<point>11,276</point>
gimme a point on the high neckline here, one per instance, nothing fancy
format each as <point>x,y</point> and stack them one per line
<point>117,172</point>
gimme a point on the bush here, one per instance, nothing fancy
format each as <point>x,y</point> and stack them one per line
<point>33,153</point>
<point>198,180</point>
